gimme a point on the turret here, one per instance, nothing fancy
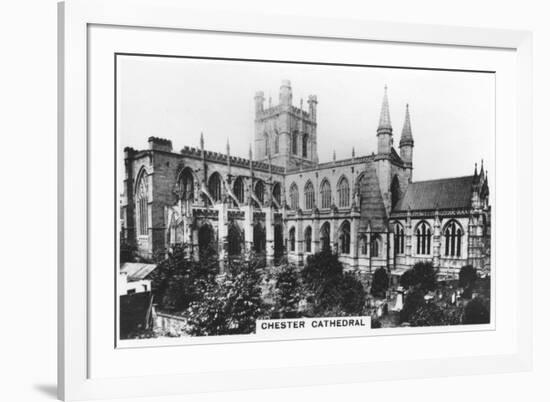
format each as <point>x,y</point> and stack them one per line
<point>259,102</point>
<point>312,103</point>
<point>384,131</point>
<point>406,144</point>
<point>285,94</point>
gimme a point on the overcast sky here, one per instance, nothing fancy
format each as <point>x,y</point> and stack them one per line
<point>451,112</point>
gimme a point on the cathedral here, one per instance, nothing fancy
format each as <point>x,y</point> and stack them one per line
<point>283,204</point>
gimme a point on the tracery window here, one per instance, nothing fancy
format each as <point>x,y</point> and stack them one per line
<point>364,245</point>
<point>307,239</point>
<point>399,239</point>
<point>294,196</point>
<point>453,239</point>
<point>142,207</point>
<point>345,238</point>
<point>187,185</point>
<point>238,189</point>
<point>309,194</point>
<point>292,238</point>
<point>215,187</point>
<point>326,195</point>
<point>423,239</point>
<point>375,245</point>
<point>259,191</point>
<point>343,192</point>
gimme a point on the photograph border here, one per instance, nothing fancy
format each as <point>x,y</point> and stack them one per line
<point>74,17</point>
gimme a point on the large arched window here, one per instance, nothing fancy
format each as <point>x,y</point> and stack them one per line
<point>326,195</point>
<point>142,207</point>
<point>343,192</point>
<point>187,188</point>
<point>305,142</point>
<point>345,238</point>
<point>292,238</point>
<point>399,239</point>
<point>234,239</point>
<point>295,143</point>
<point>307,239</point>
<point>309,194</point>
<point>259,191</point>
<point>207,244</point>
<point>238,189</point>
<point>325,236</point>
<point>215,186</point>
<point>453,239</point>
<point>375,245</point>
<point>277,192</point>
<point>294,196</point>
<point>423,239</point>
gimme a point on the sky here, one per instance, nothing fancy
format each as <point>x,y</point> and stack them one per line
<point>452,113</point>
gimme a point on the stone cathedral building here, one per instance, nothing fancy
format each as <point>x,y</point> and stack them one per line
<point>282,202</point>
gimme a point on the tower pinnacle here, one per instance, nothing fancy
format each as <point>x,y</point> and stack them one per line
<point>406,134</point>
<point>384,125</point>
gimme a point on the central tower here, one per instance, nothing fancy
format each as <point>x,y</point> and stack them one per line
<point>285,133</point>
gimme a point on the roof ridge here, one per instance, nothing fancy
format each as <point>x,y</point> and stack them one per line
<point>444,178</point>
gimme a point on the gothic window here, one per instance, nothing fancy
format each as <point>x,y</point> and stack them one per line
<point>326,195</point>
<point>364,245</point>
<point>259,238</point>
<point>294,196</point>
<point>375,246</point>
<point>186,185</point>
<point>304,145</point>
<point>345,238</point>
<point>276,143</point>
<point>325,236</point>
<point>295,143</point>
<point>343,192</point>
<point>395,191</point>
<point>292,239</point>
<point>207,244</point>
<point>259,190</point>
<point>277,192</point>
<point>453,239</point>
<point>234,240</point>
<point>399,239</point>
<point>423,239</point>
<point>309,194</point>
<point>238,189</point>
<point>278,241</point>
<point>142,209</point>
<point>215,187</point>
<point>307,238</point>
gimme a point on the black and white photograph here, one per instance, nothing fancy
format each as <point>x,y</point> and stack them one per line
<point>260,196</point>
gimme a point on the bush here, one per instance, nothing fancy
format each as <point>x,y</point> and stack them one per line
<point>408,279</point>
<point>467,278</point>
<point>428,314</point>
<point>288,291</point>
<point>352,294</point>
<point>320,269</point>
<point>425,276</point>
<point>476,312</point>
<point>380,283</point>
<point>413,301</point>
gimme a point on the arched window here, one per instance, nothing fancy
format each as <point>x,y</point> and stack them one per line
<point>215,186</point>
<point>307,239</point>
<point>142,207</point>
<point>266,141</point>
<point>375,245</point>
<point>277,192</point>
<point>325,236</point>
<point>399,239</point>
<point>395,191</point>
<point>309,194</point>
<point>453,239</point>
<point>294,196</point>
<point>305,142</point>
<point>292,238</point>
<point>423,239</point>
<point>187,188</point>
<point>276,142</point>
<point>295,143</point>
<point>238,189</point>
<point>259,238</point>
<point>343,192</point>
<point>259,191</point>
<point>345,238</point>
<point>234,239</point>
<point>278,241</point>
<point>364,245</point>
<point>326,194</point>
<point>207,244</point>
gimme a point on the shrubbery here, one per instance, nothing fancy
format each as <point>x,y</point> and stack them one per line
<point>476,312</point>
<point>467,278</point>
<point>380,282</point>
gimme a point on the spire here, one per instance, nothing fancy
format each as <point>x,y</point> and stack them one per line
<point>406,134</point>
<point>384,124</point>
<point>202,141</point>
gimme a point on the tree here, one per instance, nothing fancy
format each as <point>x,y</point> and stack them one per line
<point>408,279</point>
<point>321,269</point>
<point>414,300</point>
<point>380,282</point>
<point>466,279</point>
<point>425,276</point>
<point>288,291</point>
<point>476,312</point>
<point>231,304</point>
<point>352,294</point>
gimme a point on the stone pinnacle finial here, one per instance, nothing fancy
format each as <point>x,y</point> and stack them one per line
<point>202,140</point>
<point>406,133</point>
<point>475,170</point>
<point>227,146</point>
<point>385,121</point>
<point>353,152</point>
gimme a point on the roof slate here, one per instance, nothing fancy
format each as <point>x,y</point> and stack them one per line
<point>136,270</point>
<point>453,193</point>
<point>373,211</point>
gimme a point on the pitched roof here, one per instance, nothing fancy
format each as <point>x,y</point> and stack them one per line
<point>373,211</point>
<point>453,193</point>
<point>136,270</point>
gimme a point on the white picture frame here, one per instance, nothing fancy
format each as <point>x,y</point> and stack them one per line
<point>75,381</point>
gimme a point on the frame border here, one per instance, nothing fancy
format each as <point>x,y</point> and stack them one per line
<point>74,16</point>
